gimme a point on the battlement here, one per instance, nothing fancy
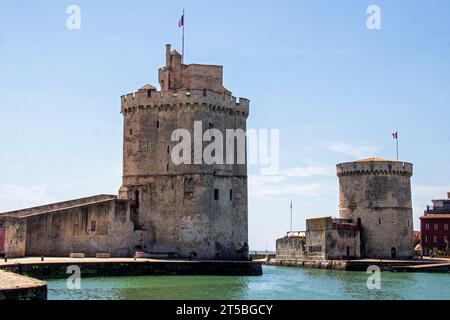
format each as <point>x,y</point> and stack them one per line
<point>375,167</point>
<point>151,99</point>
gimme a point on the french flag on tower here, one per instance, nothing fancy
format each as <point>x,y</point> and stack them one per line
<point>395,135</point>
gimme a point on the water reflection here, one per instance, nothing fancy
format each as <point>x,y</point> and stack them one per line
<point>276,283</point>
<point>153,288</point>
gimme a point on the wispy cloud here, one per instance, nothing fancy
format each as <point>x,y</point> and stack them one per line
<point>309,171</point>
<point>14,196</point>
<point>291,189</point>
<point>291,181</point>
<point>358,152</point>
<point>423,194</point>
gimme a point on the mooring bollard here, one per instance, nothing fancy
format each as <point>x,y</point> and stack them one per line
<point>6,258</point>
<point>42,258</point>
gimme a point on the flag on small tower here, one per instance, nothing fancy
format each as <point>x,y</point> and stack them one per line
<point>395,136</point>
<point>181,22</point>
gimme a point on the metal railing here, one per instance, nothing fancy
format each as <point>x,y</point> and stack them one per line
<point>438,210</point>
<point>296,234</point>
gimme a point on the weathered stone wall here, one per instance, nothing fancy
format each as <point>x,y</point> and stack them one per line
<point>291,248</point>
<point>342,243</point>
<point>378,195</point>
<point>316,237</point>
<point>328,239</point>
<point>102,226</point>
<point>15,235</point>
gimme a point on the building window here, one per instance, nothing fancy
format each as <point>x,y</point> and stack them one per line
<point>426,239</point>
<point>427,226</point>
<point>216,194</point>
<point>131,132</point>
<point>379,220</point>
<point>93,226</point>
<point>168,149</point>
<point>149,93</point>
<point>231,194</point>
<point>157,124</point>
<point>435,239</point>
<point>204,92</point>
<point>445,239</point>
<point>436,226</point>
<point>446,226</point>
<point>211,125</point>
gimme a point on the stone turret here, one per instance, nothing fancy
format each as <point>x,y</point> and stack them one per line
<point>176,75</point>
<point>376,193</point>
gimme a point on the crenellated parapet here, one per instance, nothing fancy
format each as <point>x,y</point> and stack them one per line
<point>374,167</point>
<point>181,99</point>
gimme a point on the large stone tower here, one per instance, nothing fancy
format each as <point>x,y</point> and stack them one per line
<point>376,193</point>
<point>195,209</point>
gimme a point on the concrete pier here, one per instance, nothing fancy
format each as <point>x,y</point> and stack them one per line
<point>17,287</point>
<point>98,267</point>
<point>425,265</point>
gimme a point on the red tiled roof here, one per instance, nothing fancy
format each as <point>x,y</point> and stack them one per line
<point>372,160</point>
<point>436,216</point>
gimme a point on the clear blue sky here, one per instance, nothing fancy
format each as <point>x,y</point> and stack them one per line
<point>335,89</point>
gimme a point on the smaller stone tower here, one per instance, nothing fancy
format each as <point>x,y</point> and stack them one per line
<point>376,193</point>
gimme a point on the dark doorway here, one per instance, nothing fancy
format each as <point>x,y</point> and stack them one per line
<point>393,253</point>
<point>362,249</point>
<point>135,200</point>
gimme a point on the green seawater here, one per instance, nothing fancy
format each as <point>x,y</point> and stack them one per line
<point>277,283</point>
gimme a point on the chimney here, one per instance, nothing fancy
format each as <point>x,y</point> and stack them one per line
<point>168,55</point>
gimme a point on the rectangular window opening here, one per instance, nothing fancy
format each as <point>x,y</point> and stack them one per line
<point>93,226</point>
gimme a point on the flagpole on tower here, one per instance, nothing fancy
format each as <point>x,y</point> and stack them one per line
<point>291,215</point>
<point>397,146</point>
<point>182,49</point>
<point>395,136</point>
